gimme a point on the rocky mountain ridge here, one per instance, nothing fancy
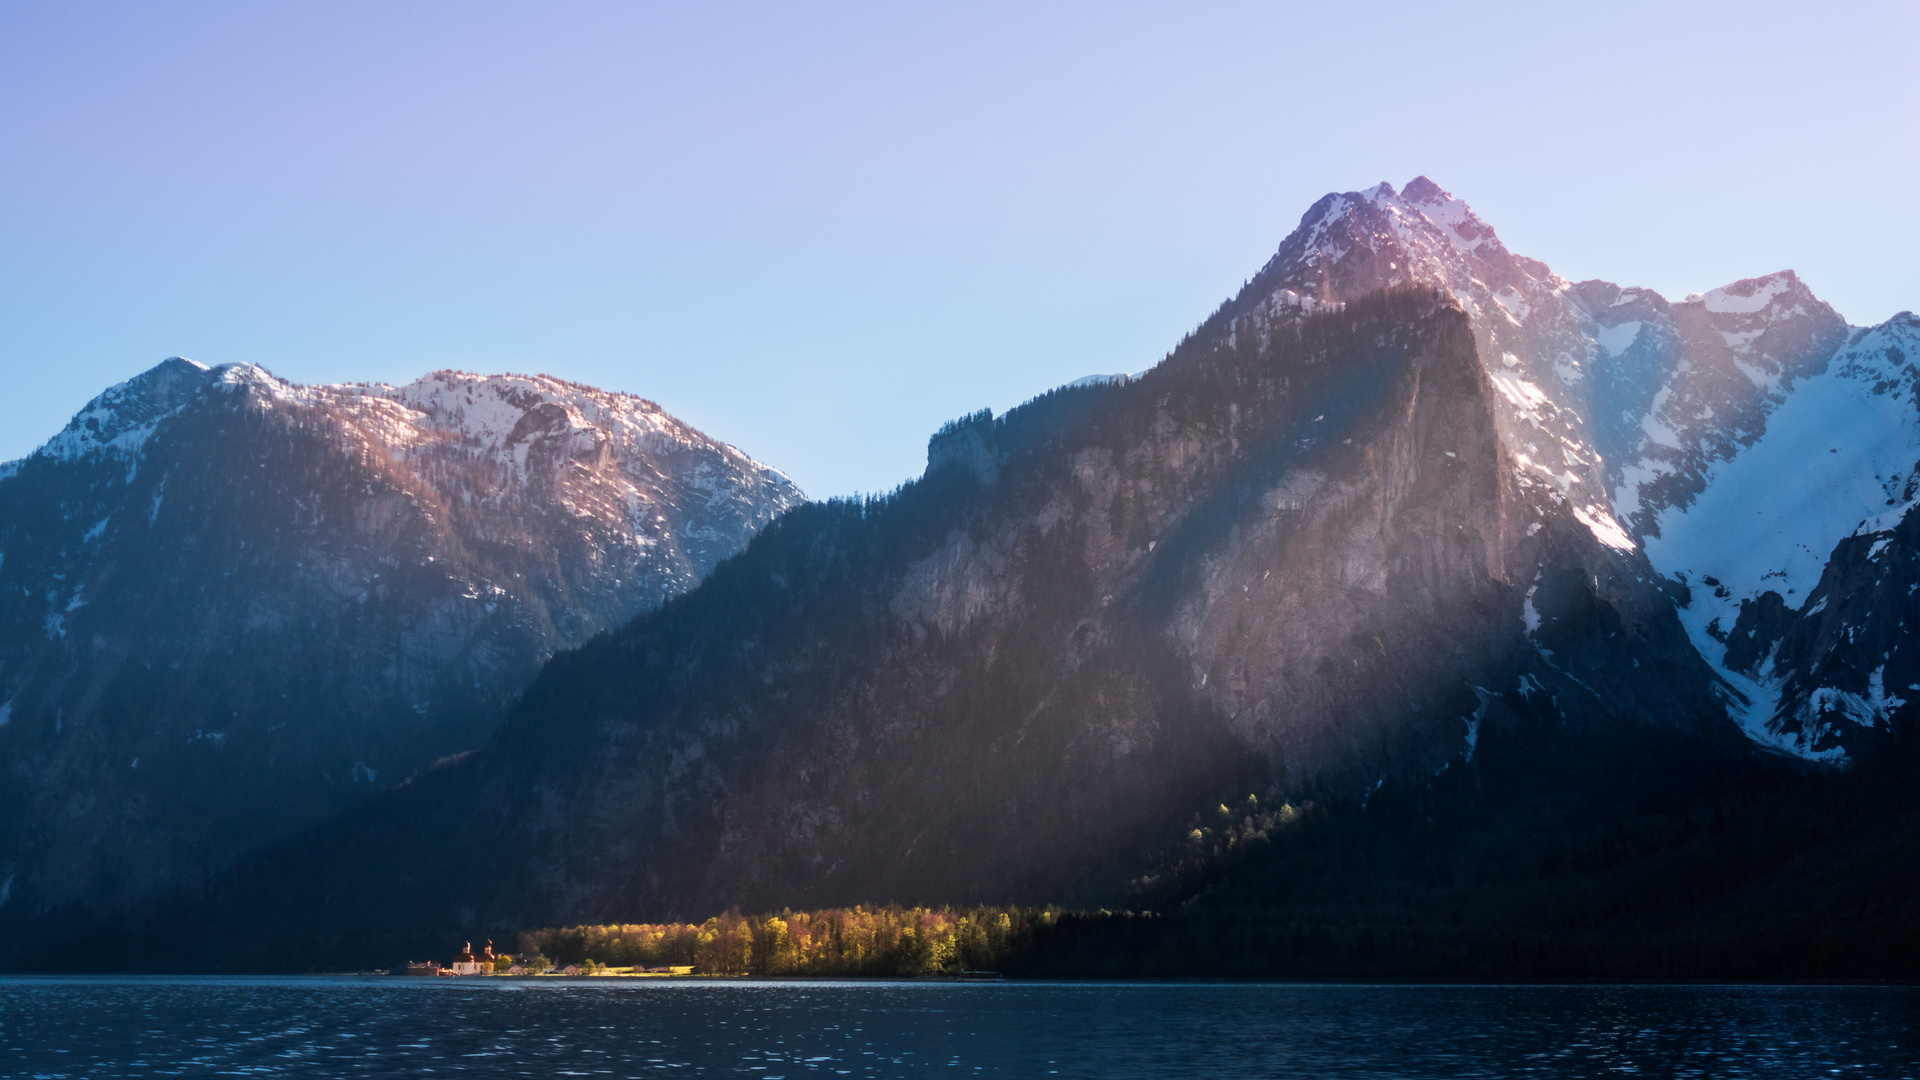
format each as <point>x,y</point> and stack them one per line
<point>1795,554</point>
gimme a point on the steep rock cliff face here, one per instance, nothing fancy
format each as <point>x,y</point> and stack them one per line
<point>1739,435</point>
<point>1845,664</point>
<point>1300,563</point>
<point>1532,336</point>
<point>230,605</point>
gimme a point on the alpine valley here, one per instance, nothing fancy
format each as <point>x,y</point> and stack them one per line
<point>1422,613</point>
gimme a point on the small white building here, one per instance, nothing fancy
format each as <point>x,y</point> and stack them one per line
<point>468,963</point>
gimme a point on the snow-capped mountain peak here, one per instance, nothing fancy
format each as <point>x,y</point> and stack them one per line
<point>1532,337</point>
<point>533,428</point>
<point>1353,242</point>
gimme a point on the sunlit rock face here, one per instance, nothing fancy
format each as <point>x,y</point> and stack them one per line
<point>230,605</point>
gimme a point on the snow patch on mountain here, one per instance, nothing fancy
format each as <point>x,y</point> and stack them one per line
<point>1758,297</point>
<point>1603,526</point>
<point>1619,338</point>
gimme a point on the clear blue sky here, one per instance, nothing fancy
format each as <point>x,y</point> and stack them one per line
<point>819,230</point>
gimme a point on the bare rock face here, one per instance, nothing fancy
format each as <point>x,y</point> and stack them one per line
<point>230,605</point>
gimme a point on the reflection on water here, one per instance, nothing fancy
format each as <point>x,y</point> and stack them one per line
<point>400,1027</point>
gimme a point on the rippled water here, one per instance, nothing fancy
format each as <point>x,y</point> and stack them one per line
<point>396,1027</point>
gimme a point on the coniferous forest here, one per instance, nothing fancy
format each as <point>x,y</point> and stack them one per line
<point>1763,879</point>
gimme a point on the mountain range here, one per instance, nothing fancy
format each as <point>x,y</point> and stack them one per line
<point>1415,567</point>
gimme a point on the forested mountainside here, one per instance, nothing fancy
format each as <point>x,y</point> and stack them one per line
<point>230,605</point>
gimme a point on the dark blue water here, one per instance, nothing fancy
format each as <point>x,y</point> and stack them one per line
<point>398,1027</point>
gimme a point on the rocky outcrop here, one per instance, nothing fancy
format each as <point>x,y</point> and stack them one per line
<point>1846,663</point>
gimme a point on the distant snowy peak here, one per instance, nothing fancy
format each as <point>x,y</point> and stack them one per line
<point>1771,330</point>
<point>594,452</point>
<point>494,415</point>
<point>1114,379</point>
<point>1887,356</point>
<point>123,417</point>
<point>498,412</point>
<point>508,416</point>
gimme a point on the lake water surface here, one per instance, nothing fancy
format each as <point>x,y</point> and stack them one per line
<point>313,1027</point>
